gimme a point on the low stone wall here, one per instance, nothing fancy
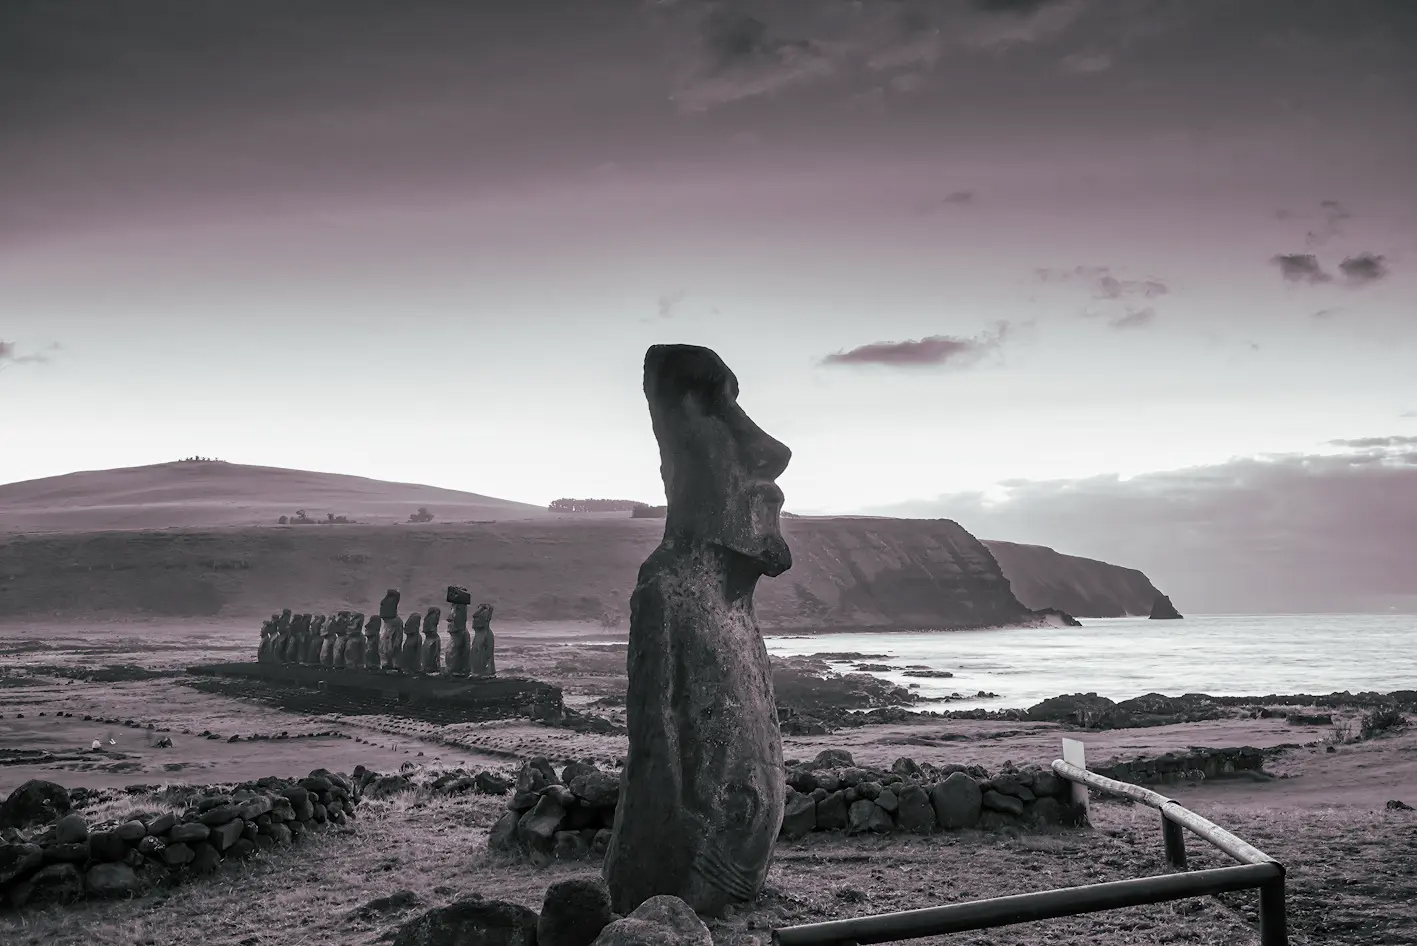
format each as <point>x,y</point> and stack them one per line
<point>1193,765</point>
<point>569,815</point>
<point>72,859</point>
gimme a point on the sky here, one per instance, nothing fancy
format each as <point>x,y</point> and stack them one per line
<point>969,258</point>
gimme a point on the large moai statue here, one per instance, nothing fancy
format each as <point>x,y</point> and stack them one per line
<point>702,796</point>
<point>411,653</point>
<point>327,647</point>
<point>317,626</point>
<point>283,637</point>
<point>315,648</point>
<point>482,654</point>
<point>299,638</point>
<point>391,640</point>
<point>432,644</point>
<point>339,626</point>
<point>263,653</point>
<point>373,631</point>
<point>459,642</point>
<point>354,645</point>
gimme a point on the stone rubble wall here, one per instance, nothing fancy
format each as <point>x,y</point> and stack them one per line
<point>1192,765</point>
<point>72,859</point>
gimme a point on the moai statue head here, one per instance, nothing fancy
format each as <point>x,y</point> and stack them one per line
<point>482,617</point>
<point>317,624</point>
<point>373,626</point>
<point>430,620</point>
<point>410,627</point>
<point>355,621</point>
<point>283,622</point>
<point>719,468</point>
<point>389,607</point>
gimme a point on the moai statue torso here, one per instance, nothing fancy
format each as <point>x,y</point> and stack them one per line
<point>411,653</point>
<point>432,644</point>
<point>389,646</point>
<point>702,795</point>
<point>373,631</point>
<point>299,638</point>
<point>315,648</point>
<point>457,664</point>
<point>317,625</point>
<point>354,643</point>
<point>482,653</point>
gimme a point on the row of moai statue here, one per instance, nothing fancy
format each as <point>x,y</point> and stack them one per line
<point>385,642</point>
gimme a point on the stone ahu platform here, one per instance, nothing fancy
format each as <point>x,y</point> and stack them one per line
<point>472,698</point>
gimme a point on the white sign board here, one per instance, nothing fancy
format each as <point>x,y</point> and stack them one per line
<point>1075,753</point>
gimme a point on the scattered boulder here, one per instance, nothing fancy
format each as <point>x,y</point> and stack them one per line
<point>659,921</point>
<point>34,802</point>
<point>470,922</point>
<point>957,801</point>
<point>574,912</point>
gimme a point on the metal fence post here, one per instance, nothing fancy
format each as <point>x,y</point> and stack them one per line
<point>1274,922</point>
<point>1174,836</point>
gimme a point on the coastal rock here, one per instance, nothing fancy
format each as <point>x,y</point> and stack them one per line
<point>703,796</point>
<point>1163,610</point>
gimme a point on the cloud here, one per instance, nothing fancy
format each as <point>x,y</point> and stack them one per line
<point>1018,7</point>
<point>1104,284</point>
<point>1086,63</point>
<point>10,355</point>
<point>1300,267</point>
<point>1284,534</point>
<point>1020,22</point>
<point>1369,443</point>
<point>931,351</point>
<point>1327,313</point>
<point>735,57</point>
<point>1363,269</point>
<point>1134,318</point>
<point>668,302</point>
<point>1334,214</point>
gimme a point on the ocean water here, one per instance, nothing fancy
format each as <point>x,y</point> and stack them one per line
<point>1223,655</point>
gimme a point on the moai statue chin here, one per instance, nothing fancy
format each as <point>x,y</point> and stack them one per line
<point>432,644</point>
<point>411,654</point>
<point>702,800</point>
<point>482,654</point>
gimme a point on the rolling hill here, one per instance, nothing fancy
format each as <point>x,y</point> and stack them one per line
<point>201,539</point>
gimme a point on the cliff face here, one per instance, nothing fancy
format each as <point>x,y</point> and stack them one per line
<point>846,572</point>
<point>1083,587</point>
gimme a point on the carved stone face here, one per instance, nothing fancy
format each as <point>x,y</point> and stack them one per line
<point>719,468</point>
<point>482,617</point>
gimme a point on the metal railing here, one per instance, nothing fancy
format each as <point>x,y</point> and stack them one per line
<point>1256,870</point>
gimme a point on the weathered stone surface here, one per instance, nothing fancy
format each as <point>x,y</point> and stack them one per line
<point>17,860</point>
<point>482,652</point>
<point>57,883</point>
<point>131,831</point>
<point>537,828</point>
<point>354,642</point>
<point>205,858</point>
<point>112,880</point>
<point>71,829</point>
<point>458,595</point>
<point>1163,610</point>
<point>659,921</point>
<point>799,815</point>
<point>831,812</point>
<point>997,801</point>
<point>833,759</point>
<point>503,836</point>
<point>73,852</point>
<point>34,802</point>
<point>107,846</point>
<point>225,835</point>
<point>471,922</point>
<point>703,796</point>
<point>177,854</point>
<point>865,815</point>
<point>162,824</point>
<point>913,809</point>
<point>957,801</point>
<point>221,814</point>
<point>573,912</point>
<point>187,833</point>
<point>391,643</point>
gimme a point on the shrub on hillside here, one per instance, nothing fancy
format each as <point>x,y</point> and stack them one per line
<point>422,515</point>
<point>1382,720</point>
